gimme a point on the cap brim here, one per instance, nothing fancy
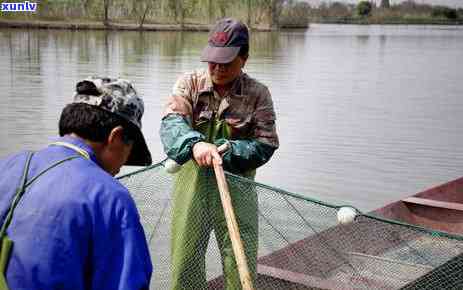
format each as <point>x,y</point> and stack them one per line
<point>219,54</point>
<point>140,155</point>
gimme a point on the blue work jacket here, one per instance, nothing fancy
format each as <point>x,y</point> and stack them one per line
<point>76,227</point>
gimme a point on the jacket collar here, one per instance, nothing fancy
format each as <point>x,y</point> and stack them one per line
<point>236,89</point>
<point>80,143</point>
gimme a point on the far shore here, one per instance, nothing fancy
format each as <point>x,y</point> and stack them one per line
<point>89,25</point>
<point>388,21</point>
<point>94,25</point>
<point>98,25</point>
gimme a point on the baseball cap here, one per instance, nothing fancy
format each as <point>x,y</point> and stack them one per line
<point>225,40</point>
<point>119,97</point>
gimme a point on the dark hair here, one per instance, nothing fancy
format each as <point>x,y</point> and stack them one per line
<point>244,50</point>
<point>92,123</point>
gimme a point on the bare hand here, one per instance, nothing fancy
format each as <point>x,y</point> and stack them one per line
<point>206,154</point>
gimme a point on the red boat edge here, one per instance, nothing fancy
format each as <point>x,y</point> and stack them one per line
<point>439,208</point>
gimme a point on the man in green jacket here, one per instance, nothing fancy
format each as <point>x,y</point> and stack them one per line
<point>208,108</point>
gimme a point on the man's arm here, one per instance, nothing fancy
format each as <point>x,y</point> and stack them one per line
<point>177,134</point>
<point>252,153</point>
<point>120,253</point>
<point>136,269</point>
<point>178,138</point>
<point>245,155</point>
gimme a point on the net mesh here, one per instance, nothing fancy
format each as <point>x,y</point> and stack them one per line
<point>300,244</point>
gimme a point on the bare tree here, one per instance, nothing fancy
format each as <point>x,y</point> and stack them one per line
<point>223,5</point>
<point>179,13</point>
<point>145,7</point>
<point>86,5</point>
<point>276,6</point>
<point>385,4</point>
<point>106,5</point>
<point>249,13</point>
<point>209,11</point>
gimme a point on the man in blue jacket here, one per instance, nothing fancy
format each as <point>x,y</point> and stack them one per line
<point>71,223</point>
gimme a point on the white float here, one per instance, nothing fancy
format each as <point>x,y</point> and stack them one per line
<point>346,214</point>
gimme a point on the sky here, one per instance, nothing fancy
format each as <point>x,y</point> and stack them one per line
<point>451,3</point>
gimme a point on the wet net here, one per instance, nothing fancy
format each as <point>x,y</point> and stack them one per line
<point>291,242</point>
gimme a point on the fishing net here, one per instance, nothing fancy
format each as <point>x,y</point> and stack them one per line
<point>299,243</point>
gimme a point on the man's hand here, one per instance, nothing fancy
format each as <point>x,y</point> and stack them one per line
<point>206,154</point>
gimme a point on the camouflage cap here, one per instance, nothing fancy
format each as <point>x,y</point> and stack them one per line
<point>119,97</point>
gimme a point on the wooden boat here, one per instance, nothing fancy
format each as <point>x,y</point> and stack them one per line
<point>439,208</point>
<point>314,262</point>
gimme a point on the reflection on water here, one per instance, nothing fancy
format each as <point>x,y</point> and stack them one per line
<point>366,114</point>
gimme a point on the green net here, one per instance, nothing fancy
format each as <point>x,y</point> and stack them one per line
<point>296,242</point>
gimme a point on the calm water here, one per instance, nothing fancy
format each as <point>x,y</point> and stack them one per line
<point>366,114</point>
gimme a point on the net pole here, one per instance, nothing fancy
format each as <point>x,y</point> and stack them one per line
<point>232,225</point>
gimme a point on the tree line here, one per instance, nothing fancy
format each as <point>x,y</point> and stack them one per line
<point>266,14</point>
<point>369,12</point>
<point>256,13</point>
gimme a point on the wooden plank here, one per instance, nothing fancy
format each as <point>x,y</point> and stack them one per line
<point>434,203</point>
<point>391,261</point>
<point>299,278</point>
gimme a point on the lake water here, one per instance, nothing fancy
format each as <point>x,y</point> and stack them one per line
<point>366,114</point>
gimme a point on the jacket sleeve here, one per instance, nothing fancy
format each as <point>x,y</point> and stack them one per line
<point>136,270</point>
<point>178,137</point>
<point>251,153</point>
<point>121,258</point>
<point>244,155</point>
<point>176,132</point>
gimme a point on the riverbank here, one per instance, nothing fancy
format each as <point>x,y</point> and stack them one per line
<point>94,25</point>
<point>388,21</point>
<point>77,25</point>
<point>90,25</point>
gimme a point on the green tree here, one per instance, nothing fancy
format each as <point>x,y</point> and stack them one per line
<point>364,8</point>
<point>444,12</point>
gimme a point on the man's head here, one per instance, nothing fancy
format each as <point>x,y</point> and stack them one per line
<point>107,113</point>
<point>227,50</point>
